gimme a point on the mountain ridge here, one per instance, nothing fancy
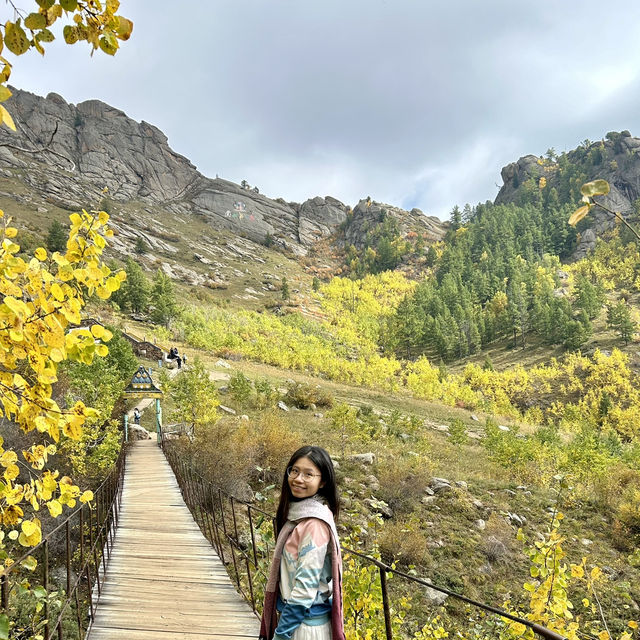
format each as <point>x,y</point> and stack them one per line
<point>74,151</point>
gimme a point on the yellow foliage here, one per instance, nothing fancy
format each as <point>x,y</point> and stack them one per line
<point>42,300</point>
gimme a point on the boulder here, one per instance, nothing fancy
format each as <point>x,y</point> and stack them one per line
<point>136,432</point>
<point>363,458</point>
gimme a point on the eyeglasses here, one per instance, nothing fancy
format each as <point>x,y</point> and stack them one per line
<point>294,472</point>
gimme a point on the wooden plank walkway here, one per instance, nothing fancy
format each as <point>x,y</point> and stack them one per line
<point>164,581</point>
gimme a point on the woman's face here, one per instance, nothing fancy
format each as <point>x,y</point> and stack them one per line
<point>304,478</point>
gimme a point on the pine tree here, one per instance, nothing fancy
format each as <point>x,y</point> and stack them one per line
<point>56,237</point>
<point>163,300</point>
<point>619,319</point>
<point>141,246</point>
<point>588,297</point>
<point>285,289</point>
<point>133,294</point>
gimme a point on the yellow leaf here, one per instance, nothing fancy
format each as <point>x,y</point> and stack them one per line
<point>87,496</point>
<point>595,188</point>
<point>72,427</point>
<point>8,458</point>
<point>633,624</point>
<point>41,254</point>
<point>12,515</point>
<point>603,635</point>
<point>55,508</point>
<point>577,571</point>
<point>10,232</point>
<point>31,533</point>
<point>57,354</point>
<point>15,38</point>
<point>12,472</point>
<point>125,27</point>
<point>102,350</point>
<point>578,214</point>
<point>6,118</point>
<point>56,292</point>
<point>97,330</point>
<point>103,293</point>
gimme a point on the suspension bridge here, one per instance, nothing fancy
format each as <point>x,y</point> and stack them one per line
<point>163,579</point>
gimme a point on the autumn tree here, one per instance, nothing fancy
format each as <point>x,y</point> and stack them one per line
<point>84,20</point>
<point>39,318</point>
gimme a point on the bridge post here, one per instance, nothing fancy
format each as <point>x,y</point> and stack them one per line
<point>158,420</point>
<point>126,427</point>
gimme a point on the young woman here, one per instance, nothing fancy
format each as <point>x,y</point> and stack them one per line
<point>305,579</point>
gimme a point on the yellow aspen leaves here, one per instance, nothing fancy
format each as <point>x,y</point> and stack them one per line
<point>42,299</point>
<point>55,508</point>
<point>94,22</point>
<point>31,533</point>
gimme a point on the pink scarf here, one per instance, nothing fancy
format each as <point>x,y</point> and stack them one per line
<point>308,508</point>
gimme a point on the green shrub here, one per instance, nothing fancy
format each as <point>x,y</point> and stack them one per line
<point>302,396</point>
<point>240,388</point>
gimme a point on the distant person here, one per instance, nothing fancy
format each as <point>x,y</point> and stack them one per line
<point>136,416</point>
<point>305,577</point>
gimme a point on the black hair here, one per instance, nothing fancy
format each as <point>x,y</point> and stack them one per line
<point>329,491</point>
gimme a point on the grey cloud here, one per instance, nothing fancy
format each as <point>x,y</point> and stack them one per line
<point>415,102</point>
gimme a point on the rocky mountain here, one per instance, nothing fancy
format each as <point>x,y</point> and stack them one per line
<point>68,154</point>
<point>615,159</point>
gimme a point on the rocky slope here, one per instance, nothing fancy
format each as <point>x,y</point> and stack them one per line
<point>67,154</point>
<point>615,159</point>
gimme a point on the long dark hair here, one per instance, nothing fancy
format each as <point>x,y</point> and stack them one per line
<point>329,491</point>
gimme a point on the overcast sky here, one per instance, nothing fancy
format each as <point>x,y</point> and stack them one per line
<point>417,103</point>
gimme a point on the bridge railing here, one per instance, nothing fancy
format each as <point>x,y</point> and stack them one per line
<point>55,595</point>
<point>244,537</point>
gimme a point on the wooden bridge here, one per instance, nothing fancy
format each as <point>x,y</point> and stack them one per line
<point>163,579</point>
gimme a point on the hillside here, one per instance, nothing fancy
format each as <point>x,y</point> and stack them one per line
<point>427,371</point>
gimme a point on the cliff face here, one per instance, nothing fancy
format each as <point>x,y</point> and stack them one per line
<point>72,152</point>
<point>615,159</point>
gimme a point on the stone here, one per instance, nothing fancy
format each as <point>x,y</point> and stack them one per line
<point>318,415</point>
<point>223,364</point>
<point>427,500</point>
<point>136,432</point>
<point>480,524</point>
<point>373,483</point>
<point>244,416</point>
<point>475,418</point>
<point>429,491</point>
<point>436,598</point>
<point>462,484</point>
<point>282,406</point>
<point>441,488</point>
<point>363,458</point>
<point>503,427</point>
<point>228,410</point>
<point>586,542</point>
